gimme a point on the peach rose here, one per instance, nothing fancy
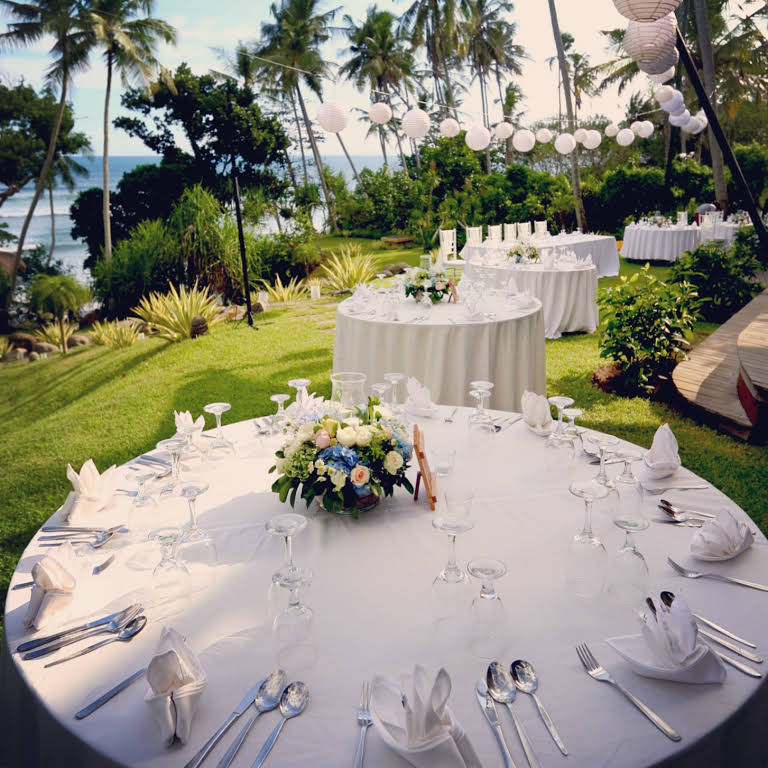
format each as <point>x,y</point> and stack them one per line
<point>360,475</point>
<point>322,439</point>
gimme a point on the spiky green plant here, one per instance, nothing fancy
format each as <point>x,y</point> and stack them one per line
<point>115,335</point>
<point>348,268</point>
<point>58,333</point>
<point>5,346</point>
<point>170,314</point>
<point>284,293</point>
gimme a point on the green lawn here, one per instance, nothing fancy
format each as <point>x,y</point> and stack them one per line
<point>112,405</point>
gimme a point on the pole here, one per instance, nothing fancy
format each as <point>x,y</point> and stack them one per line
<point>730,158</point>
<point>241,238</point>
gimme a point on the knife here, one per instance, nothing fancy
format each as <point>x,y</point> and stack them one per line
<point>38,641</point>
<point>149,457</point>
<point>745,668</point>
<point>112,692</point>
<point>722,630</point>
<point>512,421</point>
<point>236,712</point>
<point>489,710</point>
<point>732,646</point>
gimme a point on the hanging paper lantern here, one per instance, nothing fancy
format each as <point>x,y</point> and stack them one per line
<point>565,143</point>
<point>674,104</point>
<point>645,131</point>
<point>635,127</point>
<point>651,42</point>
<point>693,126</point>
<point>666,75</point>
<point>332,116</point>
<point>523,140</point>
<point>543,135</point>
<point>680,120</point>
<point>662,64</point>
<point>415,123</point>
<point>503,130</point>
<point>478,137</point>
<point>702,118</point>
<point>380,113</point>
<point>449,128</point>
<point>611,130</point>
<point>580,135</point>
<point>664,93</point>
<point>625,137</point>
<point>678,112</point>
<point>645,10</point>
<point>592,140</point>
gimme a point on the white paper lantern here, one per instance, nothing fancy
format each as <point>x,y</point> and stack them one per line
<point>645,131</point>
<point>565,143</point>
<point>478,137</point>
<point>625,137</point>
<point>380,113</point>
<point>645,10</point>
<point>580,135</point>
<point>523,140</point>
<point>592,140</point>
<point>503,130</point>
<point>680,120</point>
<point>664,77</point>
<point>664,93</point>
<point>662,64</point>
<point>415,123</point>
<point>543,135</point>
<point>332,116</point>
<point>635,127</point>
<point>674,104</point>
<point>702,118</point>
<point>677,112</point>
<point>649,43</point>
<point>693,126</point>
<point>611,130</point>
<point>449,128</point>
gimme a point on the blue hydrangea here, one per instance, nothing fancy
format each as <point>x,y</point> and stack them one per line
<point>340,457</point>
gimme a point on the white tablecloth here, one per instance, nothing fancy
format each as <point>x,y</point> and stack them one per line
<point>723,230</point>
<point>372,599</point>
<point>567,293</point>
<point>646,243</point>
<point>447,351</point>
<point>601,248</point>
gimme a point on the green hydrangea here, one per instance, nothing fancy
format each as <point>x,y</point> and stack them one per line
<point>301,463</point>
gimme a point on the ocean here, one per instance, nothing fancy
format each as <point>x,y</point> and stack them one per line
<point>72,252</point>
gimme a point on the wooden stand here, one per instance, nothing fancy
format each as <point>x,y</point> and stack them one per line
<point>425,474</point>
<point>454,297</point>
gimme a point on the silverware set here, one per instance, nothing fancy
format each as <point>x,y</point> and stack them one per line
<point>685,517</point>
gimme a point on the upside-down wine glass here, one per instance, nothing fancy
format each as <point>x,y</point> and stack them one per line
<point>454,518</point>
<point>287,526</point>
<point>278,417</point>
<point>170,577</point>
<point>219,442</point>
<point>586,551</point>
<point>175,447</point>
<point>571,429</point>
<point>559,402</point>
<point>487,632</point>
<point>602,442</point>
<point>198,545</point>
<point>142,475</point>
<point>300,385</point>
<point>394,380</point>
<point>379,389</point>
<point>484,388</point>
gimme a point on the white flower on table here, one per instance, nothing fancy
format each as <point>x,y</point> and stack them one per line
<point>364,435</point>
<point>347,436</point>
<point>306,431</point>
<point>392,462</point>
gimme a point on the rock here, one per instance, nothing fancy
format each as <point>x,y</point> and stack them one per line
<point>233,312</point>
<point>90,318</point>
<point>15,354</point>
<point>395,269</point>
<point>260,306</point>
<point>44,347</point>
<point>80,340</point>
<point>22,340</point>
<point>34,356</point>
<point>198,327</point>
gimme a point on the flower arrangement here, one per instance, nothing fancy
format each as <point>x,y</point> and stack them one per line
<point>419,282</point>
<point>523,252</point>
<point>349,462</point>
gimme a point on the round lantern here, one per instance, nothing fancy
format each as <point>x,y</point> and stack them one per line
<point>332,116</point>
<point>693,126</point>
<point>449,128</point>
<point>543,135</point>
<point>649,43</point>
<point>380,113</point>
<point>415,123</point>
<point>503,131</point>
<point>680,120</point>
<point>625,137</point>
<point>523,140</point>
<point>635,127</point>
<point>674,104</point>
<point>645,10</point>
<point>678,112</point>
<point>665,76</point>
<point>645,131</point>
<point>565,143</point>
<point>592,140</point>
<point>478,137</point>
<point>580,135</point>
<point>702,118</point>
<point>664,93</point>
<point>611,130</point>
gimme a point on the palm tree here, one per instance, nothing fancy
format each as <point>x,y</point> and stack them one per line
<point>66,22</point>
<point>64,170</point>
<point>58,295</point>
<point>620,70</point>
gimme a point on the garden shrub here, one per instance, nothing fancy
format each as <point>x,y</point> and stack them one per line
<point>349,267</point>
<point>171,314</point>
<point>631,192</point>
<point>117,334</point>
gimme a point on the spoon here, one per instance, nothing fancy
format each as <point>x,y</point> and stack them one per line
<point>679,510</point>
<point>524,678</point>
<point>131,629</point>
<point>292,703</point>
<point>682,517</point>
<point>267,698</point>
<point>502,689</point>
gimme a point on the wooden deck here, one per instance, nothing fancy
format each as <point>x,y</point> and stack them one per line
<point>711,379</point>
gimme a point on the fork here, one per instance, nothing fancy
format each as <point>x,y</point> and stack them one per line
<point>659,491</point>
<point>363,720</point>
<point>449,418</point>
<point>719,577</point>
<point>598,672</point>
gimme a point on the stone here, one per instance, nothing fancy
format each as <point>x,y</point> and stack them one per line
<point>80,340</point>
<point>22,340</point>
<point>15,354</point>
<point>198,327</point>
<point>43,347</point>
<point>260,306</point>
<point>90,318</point>
<point>395,269</point>
<point>34,356</point>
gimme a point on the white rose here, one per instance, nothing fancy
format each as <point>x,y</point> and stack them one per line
<point>364,435</point>
<point>305,431</point>
<point>353,421</point>
<point>384,412</point>
<point>347,436</point>
<point>392,462</point>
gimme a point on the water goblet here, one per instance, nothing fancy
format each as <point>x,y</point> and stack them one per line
<point>559,402</point>
<point>602,442</point>
<point>485,388</point>
<point>293,626</point>
<point>219,442</point>
<point>561,455</point>
<point>487,610</point>
<point>455,519</point>
<point>287,526</point>
<point>394,380</point>
<point>170,577</point>
<point>300,385</point>
<point>142,475</point>
<point>278,417</point>
<point>586,552</point>
<point>571,429</point>
<point>175,447</point>
<point>190,491</point>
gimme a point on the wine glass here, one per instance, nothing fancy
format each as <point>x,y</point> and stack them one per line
<point>455,519</point>
<point>561,455</point>
<point>484,388</point>
<point>142,475</point>
<point>190,492</point>
<point>559,402</point>
<point>300,385</point>
<point>287,526</point>
<point>486,636</point>
<point>278,417</point>
<point>571,429</point>
<point>586,552</point>
<point>292,627</point>
<point>170,577</point>
<point>175,447</point>
<point>379,389</point>
<point>602,442</point>
<point>394,380</point>
<point>219,443</point>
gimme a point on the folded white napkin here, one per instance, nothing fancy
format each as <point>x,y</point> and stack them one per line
<point>522,301</point>
<point>668,648</point>
<point>54,587</point>
<point>547,258</point>
<point>535,408</point>
<point>176,683</point>
<point>414,720</point>
<point>419,400</point>
<point>662,459</point>
<point>722,538</point>
<point>512,286</point>
<point>92,492</point>
<point>185,422</point>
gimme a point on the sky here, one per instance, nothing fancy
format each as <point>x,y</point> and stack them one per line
<point>201,33</point>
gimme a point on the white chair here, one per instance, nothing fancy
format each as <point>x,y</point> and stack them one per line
<point>474,235</point>
<point>524,229</point>
<point>540,228</point>
<point>510,233</point>
<point>494,233</point>
<point>448,251</point>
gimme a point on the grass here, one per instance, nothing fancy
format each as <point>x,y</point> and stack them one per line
<point>111,405</point>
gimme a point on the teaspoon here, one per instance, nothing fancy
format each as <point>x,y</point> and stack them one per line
<point>292,703</point>
<point>502,689</point>
<point>524,677</point>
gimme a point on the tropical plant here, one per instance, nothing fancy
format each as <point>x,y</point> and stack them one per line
<point>57,295</point>
<point>348,268</point>
<point>284,293</point>
<point>117,334</point>
<point>171,314</point>
<point>5,346</point>
<point>57,334</point>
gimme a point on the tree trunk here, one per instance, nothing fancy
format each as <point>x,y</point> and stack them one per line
<point>486,117</point>
<point>349,160</point>
<point>318,161</point>
<point>63,335</point>
<point>289,165</point>
<point>704,33</point>
<point>301,141</point>
<point>105,164</point>
<point>397,133</point>
<point>581,217</point>
<point>53,225</point>
<point>383,143</point>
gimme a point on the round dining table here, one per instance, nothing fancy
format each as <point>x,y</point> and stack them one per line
<point>651,243</point>
<point>446,346</point>
<point>568,292</point>
<point>373,604</point>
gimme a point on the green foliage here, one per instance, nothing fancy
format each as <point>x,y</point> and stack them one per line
<point>170,314</point>
<point>348,268</point>
<point>5,346</point>
<point>753,159</point>
<point>746,244</point>
<point>724,280</point>
<point>56,333</point>
<point>643,327</point>
<point>57,295</point>
<point>294,290</point>
<point>117,334</point>
<point>288,254</point>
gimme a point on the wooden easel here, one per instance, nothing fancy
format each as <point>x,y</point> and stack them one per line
<point>454,297</point>
<point>425,473</point>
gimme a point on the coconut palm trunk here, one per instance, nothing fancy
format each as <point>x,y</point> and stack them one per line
<point>581,217</point>
<point>397,133</point>
<point>53,225</point>
<point>383,143</point>
<point>349,160</point>
<point>301,140</point>
<point>105,163</point>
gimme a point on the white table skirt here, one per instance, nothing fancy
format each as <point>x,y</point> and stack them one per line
<point>723,230</point>
<point>643,243</point>
<point>602,249</point>
<point>445,356</point>
<point>567,294</point>
<point>372,599</point>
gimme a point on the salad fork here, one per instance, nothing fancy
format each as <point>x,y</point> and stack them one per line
<point>717,576</point>
<point>364,720</point>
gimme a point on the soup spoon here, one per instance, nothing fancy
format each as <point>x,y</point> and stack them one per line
<point>524,677</point>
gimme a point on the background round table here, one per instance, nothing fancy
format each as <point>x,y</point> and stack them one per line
<point>567,292</point>
<point>372,599</point>
<point>649,243</point>
<point>447,350</point>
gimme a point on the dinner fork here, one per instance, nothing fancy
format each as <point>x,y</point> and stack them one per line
<point>363,720</point>
<point>659,491</point>
<point>598,672</point>
<point>719,577</point>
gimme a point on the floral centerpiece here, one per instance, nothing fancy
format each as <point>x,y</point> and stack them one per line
<point>426,281</point>
<point>523,252</point>
<point>348,462</point>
